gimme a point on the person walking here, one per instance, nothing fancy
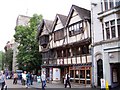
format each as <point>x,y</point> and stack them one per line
<point>15,77</point>
<point>31,78</point>
<point>67,80</point>
<point>43,80</point>
<point>2,80</point>
<point>24,78</point>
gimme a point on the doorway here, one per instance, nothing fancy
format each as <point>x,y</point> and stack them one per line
<point>99,70</point>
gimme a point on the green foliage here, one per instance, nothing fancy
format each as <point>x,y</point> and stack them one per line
<point>28,57</point>
<point>9,59</point>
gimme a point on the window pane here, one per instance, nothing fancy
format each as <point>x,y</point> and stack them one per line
<point>118,21</point>
<point>107,33</point>
<point>106,4</point>
<point>117,2</point>
<point>107,24</point>
<point>82,73</point>
<point>112,22</point>
<point>111,3</point>
<point>118,30</point>
<point>113,31</point>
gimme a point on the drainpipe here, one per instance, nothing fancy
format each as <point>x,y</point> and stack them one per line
<point>92,45</point>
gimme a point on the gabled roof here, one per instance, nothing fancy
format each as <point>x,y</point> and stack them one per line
<point>62,18</point>
<point>82,12</point>
<point>47,24</point>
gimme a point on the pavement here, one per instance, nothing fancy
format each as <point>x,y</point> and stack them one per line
<point>50,86</point>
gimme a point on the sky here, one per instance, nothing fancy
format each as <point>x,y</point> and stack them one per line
<point>10,9</point>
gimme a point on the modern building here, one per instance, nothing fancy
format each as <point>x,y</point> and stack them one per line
<point>69,43</point>
<point>105,26</point>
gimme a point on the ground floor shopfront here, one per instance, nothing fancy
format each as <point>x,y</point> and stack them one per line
<point>107,64</point>
<point>80,73</point>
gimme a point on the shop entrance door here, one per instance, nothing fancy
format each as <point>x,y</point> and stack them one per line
<point>99,70</point>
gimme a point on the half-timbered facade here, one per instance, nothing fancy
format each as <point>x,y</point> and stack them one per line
<point>44,30</point>
<point>69,42</point>
<point>78,41</point>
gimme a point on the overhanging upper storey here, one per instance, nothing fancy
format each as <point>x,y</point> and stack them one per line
<point>58,30</point>
<point>43,33</point>
<point>78,24</point>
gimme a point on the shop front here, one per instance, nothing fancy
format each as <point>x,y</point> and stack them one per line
<point>80,74</point>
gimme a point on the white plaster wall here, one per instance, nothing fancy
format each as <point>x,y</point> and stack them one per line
<point>75,18</point>
<point>45,31</point>
<point>65,61</point>
<point>83,59</point>
<point>69,60</point>
<point>89,58</point>
<point>74,60</point>
<point>58,26</point>
<point>78,60</point>
<point>40,48</point>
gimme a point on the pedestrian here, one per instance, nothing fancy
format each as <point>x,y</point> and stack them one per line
<point>24,79</point>
<point>3,80</point>
<point>67,80</point>
<point>43,79</point>
<point>28,79</point>
<point>38,78</point>
<point>15,77</point>
<point>31,78</point>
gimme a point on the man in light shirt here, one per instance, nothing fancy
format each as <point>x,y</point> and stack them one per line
<point>43,78</point>
<point>24,77</point>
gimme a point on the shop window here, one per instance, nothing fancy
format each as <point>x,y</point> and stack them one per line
<point>88,74</point>
<point>72,75</point>
<point>82,73</point>
<point>77,76</point>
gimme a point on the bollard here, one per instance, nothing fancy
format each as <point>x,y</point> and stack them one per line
<point>107,87</point>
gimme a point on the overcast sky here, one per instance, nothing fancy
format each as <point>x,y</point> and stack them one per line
<point>10,9</point>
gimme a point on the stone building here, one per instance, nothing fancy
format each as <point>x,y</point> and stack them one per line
<point>105,26</point>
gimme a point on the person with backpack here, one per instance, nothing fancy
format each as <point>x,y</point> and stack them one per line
<point>67,80</point>
<point>2,80</point>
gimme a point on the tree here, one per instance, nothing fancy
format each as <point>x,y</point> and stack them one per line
<point>28,57</point>
<point>9,59</point>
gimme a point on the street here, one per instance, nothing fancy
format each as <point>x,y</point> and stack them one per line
<point>50,86</point>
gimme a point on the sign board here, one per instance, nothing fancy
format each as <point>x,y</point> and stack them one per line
<point>102,83</point>
<point>56,74</point>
